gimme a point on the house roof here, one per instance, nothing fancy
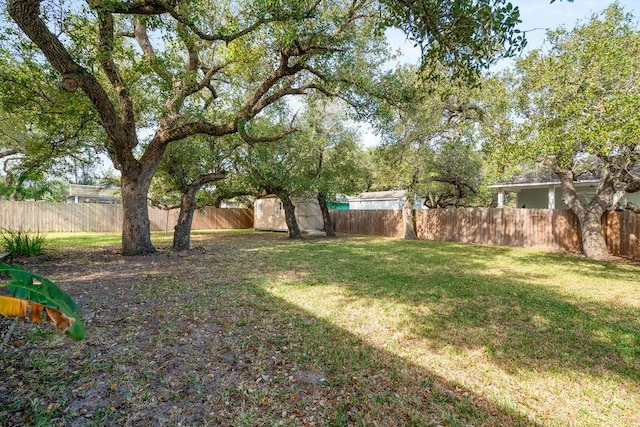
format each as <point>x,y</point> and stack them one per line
<point>546,184</point>
<point>308,197</point>
<point>543,177</point>
<point>380,195</point>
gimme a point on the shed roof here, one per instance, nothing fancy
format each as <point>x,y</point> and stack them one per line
<point>380,195</point>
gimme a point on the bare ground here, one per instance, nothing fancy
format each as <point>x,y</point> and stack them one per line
<point>192,339</point>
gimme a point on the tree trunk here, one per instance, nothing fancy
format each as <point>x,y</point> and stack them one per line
<point>290,217</point>
<point>182,230</point>
<point>326,217</point>
<point>188,206</point>
<point>409,217</point>
<point>590,214</point>
<point>594,244</point>
<point>136,231</point>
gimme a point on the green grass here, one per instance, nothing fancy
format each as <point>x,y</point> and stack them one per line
<point>361,331</point>
<point>555,337</point>
<point>69,241</point>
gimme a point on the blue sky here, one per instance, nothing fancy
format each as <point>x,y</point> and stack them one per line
<point>538,15</point>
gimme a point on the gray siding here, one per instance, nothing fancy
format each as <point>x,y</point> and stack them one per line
<point>394,204</point>
<point>535,198</point>
<point>375,204</point>
<point>634,198</point>
<point>538,198</point>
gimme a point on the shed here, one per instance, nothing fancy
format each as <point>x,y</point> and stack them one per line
<point>268,214</point>
<point>382,200</point>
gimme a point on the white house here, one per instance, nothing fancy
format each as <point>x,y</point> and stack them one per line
<point>382,200</point>
<point>93,194</point>
<point>268,214</point>
<point>547,194</point>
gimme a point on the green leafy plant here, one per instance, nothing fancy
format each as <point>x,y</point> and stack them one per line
<point>36,297</point>
<point>21,242</point>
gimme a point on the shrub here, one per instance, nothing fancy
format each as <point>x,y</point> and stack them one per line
<point>21,243</point>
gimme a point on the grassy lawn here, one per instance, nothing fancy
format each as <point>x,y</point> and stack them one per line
<point>250,329</point>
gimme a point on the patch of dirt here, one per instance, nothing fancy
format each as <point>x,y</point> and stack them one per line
<point>168,342</point>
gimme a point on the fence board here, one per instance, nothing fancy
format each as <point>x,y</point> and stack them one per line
<point>75,217</point>
<point>552,229</point>
<point>622,232</point>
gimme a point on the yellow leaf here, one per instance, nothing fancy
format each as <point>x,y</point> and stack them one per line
<point>10,306</point>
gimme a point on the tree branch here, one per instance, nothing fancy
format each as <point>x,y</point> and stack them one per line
<point>9,152</point>
<point>265,139</point>
<point>135,7</point>
<point>110,68</point>
<point>207,178</point>
<point>141,36</point>
<point>160,7</point>
<point>283,70</point>
<point>182,131</point>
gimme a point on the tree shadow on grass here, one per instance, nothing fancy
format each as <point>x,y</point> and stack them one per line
<point>472,304</point>
<point>175,341</point>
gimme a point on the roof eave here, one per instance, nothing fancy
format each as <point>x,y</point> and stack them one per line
<point>535,185</point>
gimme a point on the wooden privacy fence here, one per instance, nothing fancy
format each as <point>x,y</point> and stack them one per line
<point>70,217</point>
<point>552,229</point>
<point>371,222</point>
<point>622,231</point>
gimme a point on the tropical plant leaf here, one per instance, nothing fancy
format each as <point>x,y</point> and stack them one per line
<point>42,294</point>
<point>33,287</point>
<point>17,307</point>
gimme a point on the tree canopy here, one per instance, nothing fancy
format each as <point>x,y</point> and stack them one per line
<point>429,146</point>
<point>44,134</point>
<point>464,36</point>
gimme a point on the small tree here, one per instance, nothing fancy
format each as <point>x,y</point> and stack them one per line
<point>421,137</point>
<point>340,166</point>
<point>284,168</point>
<point>184,171</point>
